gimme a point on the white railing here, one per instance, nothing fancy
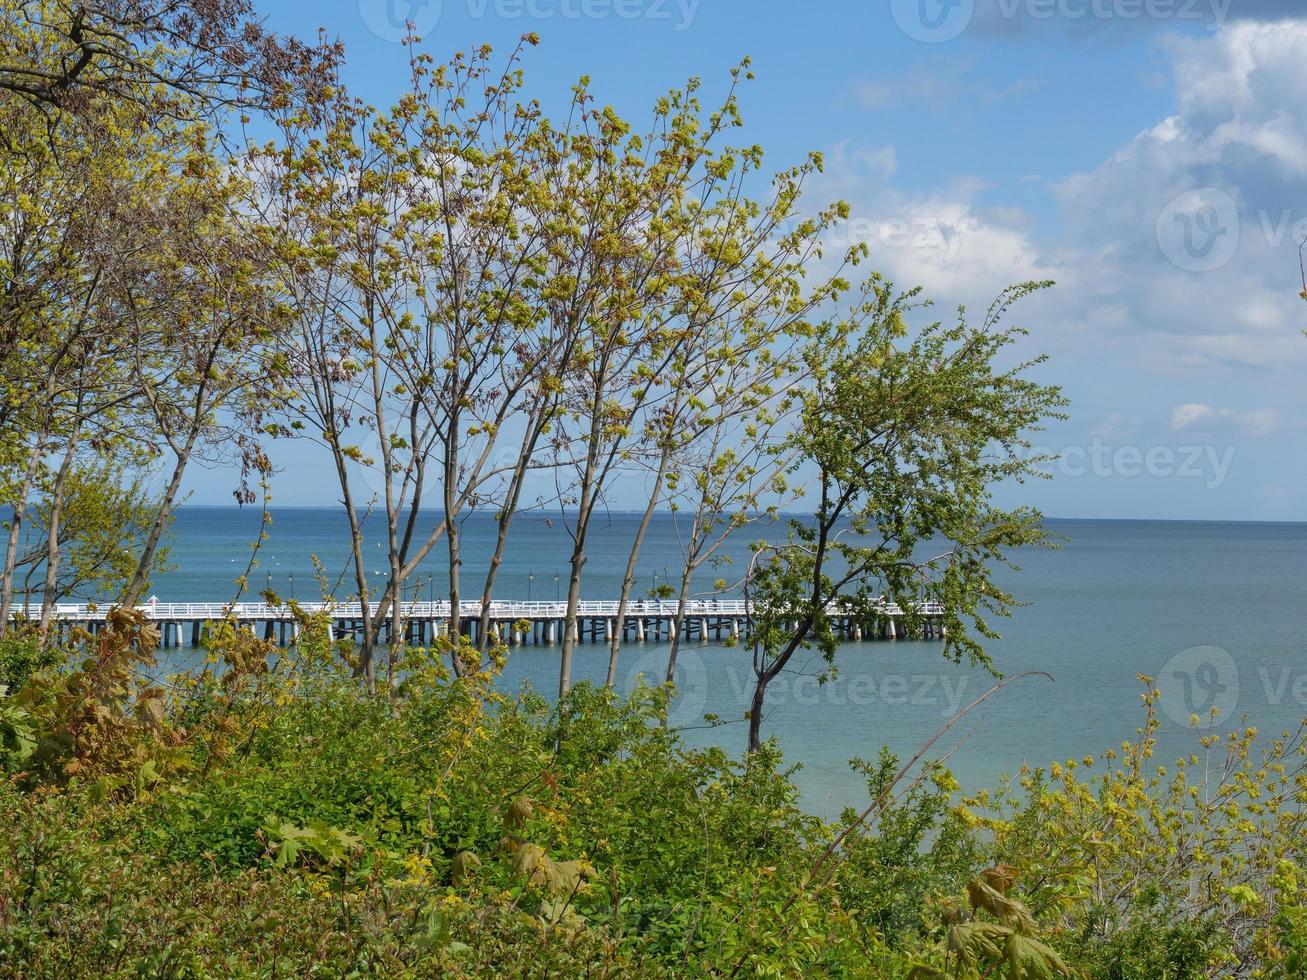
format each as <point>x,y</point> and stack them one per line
<point>499,610</point>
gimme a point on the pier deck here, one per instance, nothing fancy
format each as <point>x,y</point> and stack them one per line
<point>515,622</point>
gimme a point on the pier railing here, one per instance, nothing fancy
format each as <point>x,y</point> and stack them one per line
<point>500,610</point>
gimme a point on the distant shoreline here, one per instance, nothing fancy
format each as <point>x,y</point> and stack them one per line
<point>666,513</point>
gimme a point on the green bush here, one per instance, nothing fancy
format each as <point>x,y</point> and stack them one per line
<point>270,817</point>
<point>21,656</point>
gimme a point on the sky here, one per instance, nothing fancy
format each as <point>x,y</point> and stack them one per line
<point>1150,156</point>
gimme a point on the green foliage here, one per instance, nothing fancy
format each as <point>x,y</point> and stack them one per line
<point>98,723</point>
<point>991,933</point>
<point>106,513</point>
<point>22,655</point>
<point>921,848</point>
<point>908,434</point>
<point>270,815</point>
<point>1157,943</point>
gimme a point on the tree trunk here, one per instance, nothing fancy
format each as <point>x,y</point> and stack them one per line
<point>132,594</point>
<point>455,588</point>
<point>16,531</point>
<point>632,560</point>
<point>366,666</point>
<point>577,563</point>
<point>570,625</point>
<point>397,623</point>
<point>497,557</point>
<point>395,588</point>
<point>679,623</point>
<point>52,538</point>
<point>755,712</point>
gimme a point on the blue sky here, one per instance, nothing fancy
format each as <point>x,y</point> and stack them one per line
<point>1149,155</point>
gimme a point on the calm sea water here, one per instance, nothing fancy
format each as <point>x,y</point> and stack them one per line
<point>1216,611</point>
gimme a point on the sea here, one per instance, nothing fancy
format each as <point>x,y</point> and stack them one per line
<point>1215,612</point>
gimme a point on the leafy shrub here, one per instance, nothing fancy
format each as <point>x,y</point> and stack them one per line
<point>268,816</point>
<point>22,655</point>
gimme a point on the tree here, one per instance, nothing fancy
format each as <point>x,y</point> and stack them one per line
<point>134,316</point>
<point>169,57</point>
<point>907,439</point>
<point>107,513</point>
<point>746,306</point>
<point>731,476</point>
<point>619,229</point>
<point>695,279</point>
<point>70,216</point>
<point>116,210</point>
<point>199,313</point>
<point>411,245</point>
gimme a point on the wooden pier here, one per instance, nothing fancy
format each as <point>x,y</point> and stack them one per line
<point>517,623</point>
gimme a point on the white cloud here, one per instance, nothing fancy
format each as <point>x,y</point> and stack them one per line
<point>1116,426</point>
<point>1239,135</point>
<point>1197,417</point>
<point>943,241</point>
<point>939,83</point>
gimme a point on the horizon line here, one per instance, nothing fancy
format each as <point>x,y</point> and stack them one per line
<point>662,512</point>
